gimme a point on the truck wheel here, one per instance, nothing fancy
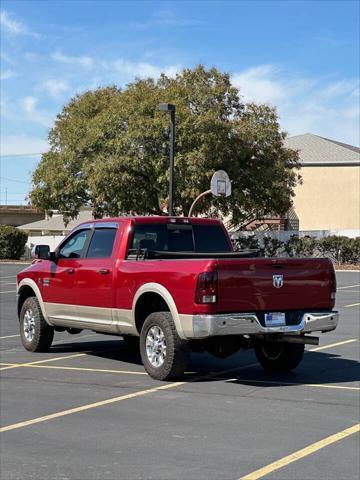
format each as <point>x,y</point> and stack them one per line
<point>275,356</point>
<point>164,354</point>
<point>36,334</point>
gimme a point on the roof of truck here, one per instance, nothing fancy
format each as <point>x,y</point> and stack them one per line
<point>156,219</point>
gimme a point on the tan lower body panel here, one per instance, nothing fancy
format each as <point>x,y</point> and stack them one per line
<point>109,320</point>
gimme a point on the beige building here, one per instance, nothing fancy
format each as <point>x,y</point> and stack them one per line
<point>329,197</point>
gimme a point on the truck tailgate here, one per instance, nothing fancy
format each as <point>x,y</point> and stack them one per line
<point>265,284</point>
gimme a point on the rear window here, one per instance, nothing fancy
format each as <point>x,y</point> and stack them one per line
<point>180,238</point>
<point>210,238</point>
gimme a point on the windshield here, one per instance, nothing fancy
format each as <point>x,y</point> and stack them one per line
<point>180,238</point>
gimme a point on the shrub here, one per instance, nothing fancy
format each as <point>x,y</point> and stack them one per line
<point>247,242</point>
<point>301,246</point>
<point>340,249</point>
<point>12,242</point>
<point>273,247</point>
<point>350,250</point>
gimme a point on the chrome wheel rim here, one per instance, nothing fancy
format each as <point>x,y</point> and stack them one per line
<point>29,325</point>
<point>155,346</point>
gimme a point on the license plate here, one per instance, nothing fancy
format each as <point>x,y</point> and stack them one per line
<point>275,319</point>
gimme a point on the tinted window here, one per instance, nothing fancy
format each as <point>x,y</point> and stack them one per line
<point>73,247</point>
<point>210,238</point>
<point>152,237</point>
<point>180,238</point>
<point>101,243</point>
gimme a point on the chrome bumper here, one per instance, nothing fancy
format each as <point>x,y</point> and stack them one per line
<point>249,324</point>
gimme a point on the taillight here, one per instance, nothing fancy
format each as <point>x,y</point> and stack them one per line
<point>206,288</point>
<point>332,283</point>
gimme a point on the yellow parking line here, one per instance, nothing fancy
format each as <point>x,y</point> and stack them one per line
<point>352,305</point>
<point>332,345</point>
<point>110,400</point>
<point>89,406</point>
<point>315,385</point>
<point>348,286</point>
<point>304,452</point>
<point>59,367</point>
<point>17,365</point>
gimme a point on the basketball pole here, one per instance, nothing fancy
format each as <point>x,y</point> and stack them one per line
<point>196,200</point>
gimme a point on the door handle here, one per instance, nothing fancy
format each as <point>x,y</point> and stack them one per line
<point>104,271</point>
<point>70,271</point>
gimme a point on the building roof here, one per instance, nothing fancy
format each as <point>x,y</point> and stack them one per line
<point>315,150</point>
<point>56,223</point>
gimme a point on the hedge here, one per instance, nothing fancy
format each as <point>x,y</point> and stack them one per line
<point>12,242</point>
<point>342,250</point>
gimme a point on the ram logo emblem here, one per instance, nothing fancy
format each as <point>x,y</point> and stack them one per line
<point>278,281</point>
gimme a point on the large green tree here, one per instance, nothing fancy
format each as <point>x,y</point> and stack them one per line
<point>109,149</point>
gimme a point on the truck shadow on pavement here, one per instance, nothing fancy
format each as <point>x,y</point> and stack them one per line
<point>316,367</point>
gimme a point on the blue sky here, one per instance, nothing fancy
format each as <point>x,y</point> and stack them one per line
<point>302,57</point>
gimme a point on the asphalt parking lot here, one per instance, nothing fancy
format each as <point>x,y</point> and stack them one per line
<point>87,410</point>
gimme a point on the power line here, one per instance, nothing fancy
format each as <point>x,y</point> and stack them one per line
<point>13,180</point>
<point>19,194</point>
<point>22,155</point>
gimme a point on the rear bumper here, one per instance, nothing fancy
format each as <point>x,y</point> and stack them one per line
<point>248,324</point>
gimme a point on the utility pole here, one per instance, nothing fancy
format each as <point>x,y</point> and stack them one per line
<point>168,107</point>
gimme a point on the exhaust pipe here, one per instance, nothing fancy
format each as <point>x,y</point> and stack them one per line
<point>308,340</point>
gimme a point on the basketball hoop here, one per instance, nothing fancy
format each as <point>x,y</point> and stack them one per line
<point>220,184</point>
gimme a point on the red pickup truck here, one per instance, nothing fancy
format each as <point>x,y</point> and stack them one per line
<point>172,284</point>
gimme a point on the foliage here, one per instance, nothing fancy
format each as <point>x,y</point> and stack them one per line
<point>12,242</point>
<point>250,242</point>
<point>273,247</point>
<point>109,149</point>
<point>300,246</point>
<point>340,249</point>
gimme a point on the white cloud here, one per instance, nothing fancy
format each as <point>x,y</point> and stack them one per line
<point>42,117</point>
<point>29,104</point>
<point>130,69</point>
<point>82,61</point>
<point>56,87</point>
<point>6,74</point>
<point>257,84</point>
<point>22,145</point>
<point>325,106</point>
<point>168,19</point>
<point>15,27</point>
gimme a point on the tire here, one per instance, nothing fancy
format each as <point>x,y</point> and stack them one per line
<point>168,358</point>
<point>132,342</point>
<point>36,334</point>
<point>277,357</point>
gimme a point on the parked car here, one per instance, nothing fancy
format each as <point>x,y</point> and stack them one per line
<point>169,285</point>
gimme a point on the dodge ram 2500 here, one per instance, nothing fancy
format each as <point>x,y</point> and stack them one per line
<point>172,284</point>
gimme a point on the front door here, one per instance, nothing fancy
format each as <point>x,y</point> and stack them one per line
<point>58,285</point>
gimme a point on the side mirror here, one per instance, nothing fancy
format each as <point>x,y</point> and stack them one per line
<point>41,252</point>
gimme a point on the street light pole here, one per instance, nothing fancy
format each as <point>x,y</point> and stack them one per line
<point>168,107</point>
